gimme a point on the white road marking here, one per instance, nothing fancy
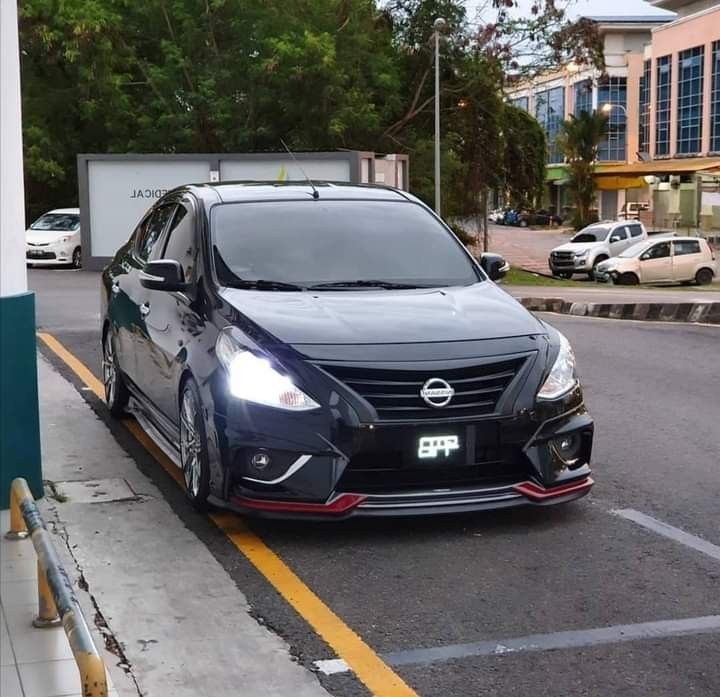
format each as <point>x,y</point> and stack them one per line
<point>669,531</point>
<point>331,666</point>
<point>599,636</point>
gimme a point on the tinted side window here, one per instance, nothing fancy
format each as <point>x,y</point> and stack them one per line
<point>181,244</point>
<point>686,247</point>
<point>619,234</point>
<point>635,230</point>
<point>659,251</point>
<point>152,230</point>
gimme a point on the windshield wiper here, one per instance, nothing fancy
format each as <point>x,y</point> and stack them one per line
<point>262,284</point>
<point>387,285</point>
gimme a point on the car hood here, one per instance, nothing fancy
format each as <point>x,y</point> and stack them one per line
<point>46,236</point>
<point>477,312</point>
<point>577,246</point>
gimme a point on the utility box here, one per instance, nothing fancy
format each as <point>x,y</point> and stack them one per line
<point>115,191</point>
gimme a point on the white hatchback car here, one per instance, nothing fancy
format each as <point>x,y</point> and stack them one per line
<point>54,238</point>
<point>664,260</point>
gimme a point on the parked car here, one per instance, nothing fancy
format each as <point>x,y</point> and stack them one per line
<point>335,351</point>
<point>54,238</point>
<point>592,245</point>
<point>679,259</point>
<point>540,217</point>
<point>631,210</point>
<point>497,216</point>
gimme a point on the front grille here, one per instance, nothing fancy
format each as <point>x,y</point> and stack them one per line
<point>563,258</point>
<point>40,255</point>
<point>395,393</point>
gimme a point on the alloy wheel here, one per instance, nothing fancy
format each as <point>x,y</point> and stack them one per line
<point>77,258</point>
<point>109,370</point>
<point>190,446</point>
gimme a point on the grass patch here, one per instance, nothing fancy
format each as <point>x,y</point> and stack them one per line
<point>519,277</point>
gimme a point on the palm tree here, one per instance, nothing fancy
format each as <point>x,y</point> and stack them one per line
<point>579,139</point>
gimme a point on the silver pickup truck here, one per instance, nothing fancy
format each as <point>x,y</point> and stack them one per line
<point>594,244</point>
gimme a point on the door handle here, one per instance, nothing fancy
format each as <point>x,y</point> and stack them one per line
<point>115,287</point>
<point>145,309</point>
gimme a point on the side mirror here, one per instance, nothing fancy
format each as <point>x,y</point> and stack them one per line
<point>494,265</point>
<point>614,238</point>
<point>163,274</point>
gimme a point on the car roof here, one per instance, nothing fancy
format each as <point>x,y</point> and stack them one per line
<point>64,210</point>
<point>235,191</point>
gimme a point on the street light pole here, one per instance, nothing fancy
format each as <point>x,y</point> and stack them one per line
<point>438,25</point>
<point>19,423</point>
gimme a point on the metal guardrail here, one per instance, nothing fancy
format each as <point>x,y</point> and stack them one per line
<point>57,603</point>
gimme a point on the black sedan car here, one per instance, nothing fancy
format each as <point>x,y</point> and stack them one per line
<point>333,350</point>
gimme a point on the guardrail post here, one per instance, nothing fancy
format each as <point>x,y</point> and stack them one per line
<point>48,615</point>
<point>18,529</point>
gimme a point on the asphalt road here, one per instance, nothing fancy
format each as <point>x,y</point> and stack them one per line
<point>454,584</point>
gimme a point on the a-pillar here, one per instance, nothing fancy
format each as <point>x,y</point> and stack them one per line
<point>19,423</point>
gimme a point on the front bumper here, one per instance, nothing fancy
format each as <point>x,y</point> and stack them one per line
<point>49,255</point>
<point>325,467</point>
<point>569,265</point>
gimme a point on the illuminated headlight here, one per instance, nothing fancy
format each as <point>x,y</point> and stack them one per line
<point>253,378</point>
<point>563,377</point>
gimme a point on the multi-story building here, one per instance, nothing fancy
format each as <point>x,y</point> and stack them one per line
<point>662,94</point>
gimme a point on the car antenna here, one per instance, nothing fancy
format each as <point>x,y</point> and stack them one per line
<point>316,193</point>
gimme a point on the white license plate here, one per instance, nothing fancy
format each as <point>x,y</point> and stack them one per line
<point>430,447</point>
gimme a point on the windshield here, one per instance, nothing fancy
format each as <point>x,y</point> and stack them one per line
<point>64,222</point>
<point>635,251</point>
<point>292,245</point>
<point>596,233</point>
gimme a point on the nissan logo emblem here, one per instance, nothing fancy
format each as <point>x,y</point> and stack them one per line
<point>437,393</point>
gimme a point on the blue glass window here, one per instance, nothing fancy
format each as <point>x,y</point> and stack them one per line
<point>662,106</point>
<point>550,112</point>
<point>583,97</point>
<point>644,124</point>
<point>715,99</point>
<point>690,100</point>
<point>521,103</point>
<point>614,92</point>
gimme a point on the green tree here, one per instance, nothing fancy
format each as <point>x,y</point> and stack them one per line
<point>524,157</point>
<point>580,138</point>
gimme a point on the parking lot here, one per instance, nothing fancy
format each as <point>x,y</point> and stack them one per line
<point>616,594</point>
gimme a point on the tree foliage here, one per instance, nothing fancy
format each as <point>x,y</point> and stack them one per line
<point>239,75</point>
<point>523,157</point>
<point>580,138</point>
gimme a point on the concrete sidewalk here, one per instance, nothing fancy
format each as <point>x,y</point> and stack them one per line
<point>173,619</point>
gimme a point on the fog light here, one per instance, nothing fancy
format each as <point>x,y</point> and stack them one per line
<point>568,447</point>
<point>260,460</point>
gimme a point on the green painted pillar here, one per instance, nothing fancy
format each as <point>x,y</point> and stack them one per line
<point>19,420</point>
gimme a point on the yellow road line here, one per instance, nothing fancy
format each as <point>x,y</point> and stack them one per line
<point>370,669</point>
<point>77,366</point>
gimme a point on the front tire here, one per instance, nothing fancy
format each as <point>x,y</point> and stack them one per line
<point>77,258</point>
<point>591,274</point>
<point>704,277</point>
<point>116,393</point>
<point>628,279</point>
<point>193,446</point>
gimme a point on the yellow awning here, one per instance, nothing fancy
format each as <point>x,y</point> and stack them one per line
<point>685,165</point>
<point>612,183</point>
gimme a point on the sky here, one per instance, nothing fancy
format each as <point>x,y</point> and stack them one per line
<point>601,8</point>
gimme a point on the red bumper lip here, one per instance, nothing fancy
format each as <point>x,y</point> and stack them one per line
<point>536,492</point>
<point>338,505</point>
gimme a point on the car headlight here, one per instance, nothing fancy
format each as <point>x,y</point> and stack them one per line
<point>579,255</point>
<point>563,377</point>
<point>253,378</point>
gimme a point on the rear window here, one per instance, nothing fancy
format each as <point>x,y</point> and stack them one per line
<point>686,247</point>
<point>64,222</point>
<point>313,242</point>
